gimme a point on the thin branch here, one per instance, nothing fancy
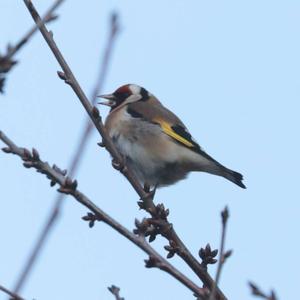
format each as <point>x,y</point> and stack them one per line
<point>116,292</point>
<point>13,295</point>
<point>48,17</point>
<point>68,76</point>
<point>76,159</point>
<point>166,229</point>
<point>69,187</point>
<point>256,291</point>
<point>222,254</point>
<point>6,60</point>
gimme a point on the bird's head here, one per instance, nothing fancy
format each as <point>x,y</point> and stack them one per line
<point>125,94</point>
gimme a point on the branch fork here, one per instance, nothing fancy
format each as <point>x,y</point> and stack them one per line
<point>70,187</point>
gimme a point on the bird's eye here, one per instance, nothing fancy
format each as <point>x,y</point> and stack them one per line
<point>125,95</point>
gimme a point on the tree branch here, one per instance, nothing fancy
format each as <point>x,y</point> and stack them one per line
<point>68,76</point>
<point>69,187</point>
<point>76,159</point>
<point>6,60</point>
<point>158,213</point>
<point>256,291</point>
<point>13,295</point>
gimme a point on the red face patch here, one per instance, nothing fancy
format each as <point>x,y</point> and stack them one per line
<point>124,89</point>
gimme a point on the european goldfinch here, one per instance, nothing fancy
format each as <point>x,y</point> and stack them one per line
<point>154,142</point>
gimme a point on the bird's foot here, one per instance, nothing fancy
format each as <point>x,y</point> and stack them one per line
<point>151,193</point>
<point>120,166</point>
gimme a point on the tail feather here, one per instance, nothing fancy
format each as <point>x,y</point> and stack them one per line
<point>213,167</point>
<point>234,177</point>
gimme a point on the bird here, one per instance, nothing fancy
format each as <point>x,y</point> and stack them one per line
<point>154,142</point>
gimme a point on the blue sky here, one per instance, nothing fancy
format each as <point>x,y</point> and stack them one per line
<point>230,71</point>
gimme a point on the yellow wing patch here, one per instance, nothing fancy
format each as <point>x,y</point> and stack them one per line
<point>167,129</point>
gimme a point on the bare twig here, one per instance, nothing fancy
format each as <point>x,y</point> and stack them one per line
<point>13,295</point>
<point>116,292</point>
<point>6,60</point>
<point>222,254</point>
<point>68,76</point>
<point>158,213</point>
<point>76,159</point>
<point>256,291</point>
<point>31,159</point>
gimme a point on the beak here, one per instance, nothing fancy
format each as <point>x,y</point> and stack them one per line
<point>110,100</point>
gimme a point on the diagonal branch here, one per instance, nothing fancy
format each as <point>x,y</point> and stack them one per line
<point>93,112</point>
<point>256,291</point>
<point>76,159</point>
<point>69,187</point>
<point>13,295</point>
<point>158,213</point>
<point>6,60</point>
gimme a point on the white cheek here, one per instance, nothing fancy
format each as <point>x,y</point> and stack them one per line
<point>133,98</point>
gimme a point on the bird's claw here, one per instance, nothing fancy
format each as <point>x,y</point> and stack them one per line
<point>150,193</point>
<point>120,166</point>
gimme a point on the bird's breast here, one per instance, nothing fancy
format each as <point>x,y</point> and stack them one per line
<point>136,139</point>
<point>118,123</point>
